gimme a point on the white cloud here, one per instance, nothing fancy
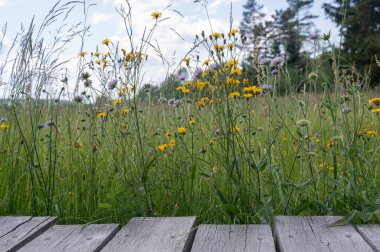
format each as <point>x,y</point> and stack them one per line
<point>3,2</point>
<point>101,17</point>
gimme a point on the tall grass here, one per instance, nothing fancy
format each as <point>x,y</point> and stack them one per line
<point>228,151</point>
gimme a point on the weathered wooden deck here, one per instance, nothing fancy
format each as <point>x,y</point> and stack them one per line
<point>183,234</point>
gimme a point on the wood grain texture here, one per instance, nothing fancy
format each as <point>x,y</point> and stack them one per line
<point>233,238</point>
<point>371,234</point>
<point>154,234</point>
<point>313,234</point>
<point>15,232</point>
<point>72,238</point>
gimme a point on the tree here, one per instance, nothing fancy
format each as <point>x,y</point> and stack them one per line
<point>250,25</point>
<point>359,22</point>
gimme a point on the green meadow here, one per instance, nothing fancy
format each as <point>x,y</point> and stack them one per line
<point>225,144</point>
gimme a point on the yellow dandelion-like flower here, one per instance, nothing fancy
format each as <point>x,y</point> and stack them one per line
<point>96,54</point>
<point>97,62</point>
<point>82,54</point>
<point>185,90</point>
<point>326,165</point>
<point>371,133</point>
<point>211,142</point>
<point>116,102</point>
<point>375,100</point>
<point>235,130</point>
<point>330,143</point>
<point>216,35</point>
<point>206,62</point>
<point>156,15</point>
<point>181,130</point>
<point>200,84</point>
<point>106,41</point>
<point>4,126</point>
<point>102,114</point>
<point>162,147</point>
<point>256,90</point>
<point>376,111</point>
<point>187,60</point>
<point>245,81</point>
<point>167,134</point>
<point>236,71</point>
<point>235,94</point>
<point>125,111</point>
<point>129,57</point>
<point>247,96</point>
<point>171,143</point>
<point>230,45</point>
<point>233,32</point>
<point>192,122</point>
<point>124,51</point>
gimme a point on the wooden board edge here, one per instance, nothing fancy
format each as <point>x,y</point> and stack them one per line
<point>49,224</point>
<point>108,238</point>
<point>366,239</point>
<point>190,238</point>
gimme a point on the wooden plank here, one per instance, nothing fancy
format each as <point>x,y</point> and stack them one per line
<point>233,238</point>
<point>15,232</point>
<point>313,234</point>
<point>81,238</point>
<point>155,234</point>
<point>371,234</point>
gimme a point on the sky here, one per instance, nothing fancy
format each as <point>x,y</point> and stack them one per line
<point>105,22</point>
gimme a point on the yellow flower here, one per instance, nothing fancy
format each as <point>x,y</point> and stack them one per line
<point>236,71</point>
<point>256,90</point>
<point>96,54</point>
<point>129,57</point>
<point>192,122</point>
<point>187,60</point>
<point>102,114</point>
<point>211,142</point>
<point>206,62</point>
<point>200,84</point>
<point>181,130</point>
<point>106,41</point>
<point>4,126</point>
<point>167,134</point>
<point>82,54</point>
<point>376,111</point>
<point>216,35</point>
<point>330,143</point>
<point>116,102</point>
<point>235,130</point>
<point>375,100</point>
<point>247,96</point>
<point>162,147</point>
<point>125,111</point>
<point>171,143</point>
<point>245,81</point>
<point>230,45</point>
<point>371,133</point>
<point>185,90</point>
<point>156,15</point>
<point>233,32</point>
<point>326,165</point>
<point>124,51</point>
<point>235,94</point>
<point>97,62</point>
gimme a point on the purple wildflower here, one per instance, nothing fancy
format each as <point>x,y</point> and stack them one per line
<point>314,36</point>
<point>267,88</point>
<point>217,132</point>
<point>265,61</point>
<point>274,72</point>
<point>171,102</point>
<point>277,60</point>
<point>112,84</point>
<point>182,76</point>
<point>177,103</point>
<point>197,73</point>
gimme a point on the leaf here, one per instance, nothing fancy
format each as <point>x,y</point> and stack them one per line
<point>104,205</point>
<point>147,168</point>
<point>221,196</point>
<point>345,220</point>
